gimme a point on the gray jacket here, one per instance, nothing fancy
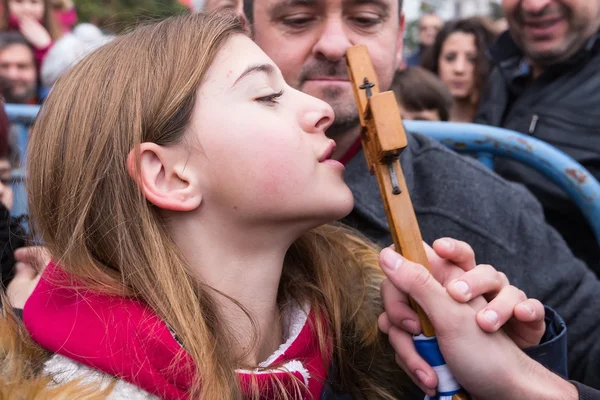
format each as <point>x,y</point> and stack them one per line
<point>455,196</point>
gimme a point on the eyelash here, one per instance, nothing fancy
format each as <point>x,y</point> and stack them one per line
<point>272,98</point>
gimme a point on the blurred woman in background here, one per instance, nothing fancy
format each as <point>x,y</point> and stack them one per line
<point>459,58</point>
<point>35,20</point>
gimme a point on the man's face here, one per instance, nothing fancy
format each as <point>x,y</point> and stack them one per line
<point>307,39</point>
<point>429,26</point>
<point>232,5</point>
<point>18,74</point>
<point>550,31</point>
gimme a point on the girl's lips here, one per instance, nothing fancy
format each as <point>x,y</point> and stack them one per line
<point>334,163</point>
<point>328,152</point>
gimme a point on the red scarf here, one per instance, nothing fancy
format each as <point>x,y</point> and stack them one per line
<point>349,155</point>
<point>124,338</point>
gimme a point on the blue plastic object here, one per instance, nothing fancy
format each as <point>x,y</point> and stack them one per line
<point>568,174</point>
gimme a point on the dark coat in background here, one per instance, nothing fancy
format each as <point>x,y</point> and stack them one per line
<point>560,107</point>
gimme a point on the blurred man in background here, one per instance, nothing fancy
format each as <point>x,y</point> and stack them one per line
<point>18,71</point>
<point>429,26</point>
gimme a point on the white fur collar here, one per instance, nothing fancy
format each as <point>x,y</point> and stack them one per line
<point>64,369</point>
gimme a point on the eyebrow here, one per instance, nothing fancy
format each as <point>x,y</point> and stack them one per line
<point>382,4</point>
<point>264,68</point>
<point>283,5</point>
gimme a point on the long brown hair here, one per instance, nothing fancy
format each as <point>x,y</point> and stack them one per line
<point>48,20</point>
<point>96,222</point>
<point>484,38</point>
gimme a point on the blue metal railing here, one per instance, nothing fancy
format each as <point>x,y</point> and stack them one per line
<point>22,117</point>
<point>568,174</point>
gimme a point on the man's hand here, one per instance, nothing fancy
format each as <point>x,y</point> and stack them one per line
<point>508,308</point>
<point>488,365</point>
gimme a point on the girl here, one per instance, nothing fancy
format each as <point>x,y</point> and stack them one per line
<point>182,188</point>
<point>458,58</point>
<point>35,20</point>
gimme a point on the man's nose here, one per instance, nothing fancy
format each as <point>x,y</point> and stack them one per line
<point>334,40</point>
<point>11,73</point>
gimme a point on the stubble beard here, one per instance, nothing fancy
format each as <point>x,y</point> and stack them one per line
<point>566,49</point>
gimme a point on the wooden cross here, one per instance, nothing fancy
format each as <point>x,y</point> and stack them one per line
<point>383,139</point>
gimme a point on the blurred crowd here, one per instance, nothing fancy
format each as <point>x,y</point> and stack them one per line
<point>38,41</point>
<point>535,71</point>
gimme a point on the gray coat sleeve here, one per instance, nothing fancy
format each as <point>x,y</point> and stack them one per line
<point>558,279</point>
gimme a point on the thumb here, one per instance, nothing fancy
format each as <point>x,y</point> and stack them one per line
<point>414,280</point>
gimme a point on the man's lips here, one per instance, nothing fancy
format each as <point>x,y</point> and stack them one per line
<point>328,79</point>
<point>542,21</point>
<point>541,26</point>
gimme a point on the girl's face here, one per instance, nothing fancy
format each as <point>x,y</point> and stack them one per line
<point>259,146</point>
<point>26,8</point>
<point>456,64</point>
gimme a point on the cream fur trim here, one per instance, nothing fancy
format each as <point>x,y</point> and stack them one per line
<point>63,370</point>
<point>294,320</point>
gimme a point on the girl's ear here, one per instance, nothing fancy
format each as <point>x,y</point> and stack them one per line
<point>163,178</point>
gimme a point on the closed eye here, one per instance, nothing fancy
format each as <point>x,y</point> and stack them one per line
<point>366,20</point>
<point>270,99</point>
<point>297,21</point>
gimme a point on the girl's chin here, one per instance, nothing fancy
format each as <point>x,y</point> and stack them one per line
<point>345,209</point>
<point>337,212</point>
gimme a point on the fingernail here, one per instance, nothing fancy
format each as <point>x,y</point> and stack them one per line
<point>410,326</point>
<point>491,316</point>
<point>449,245</point>
<point>462,287</point>
<point>422,377</point>
<point>391,260</point>
<point>528,308</point>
